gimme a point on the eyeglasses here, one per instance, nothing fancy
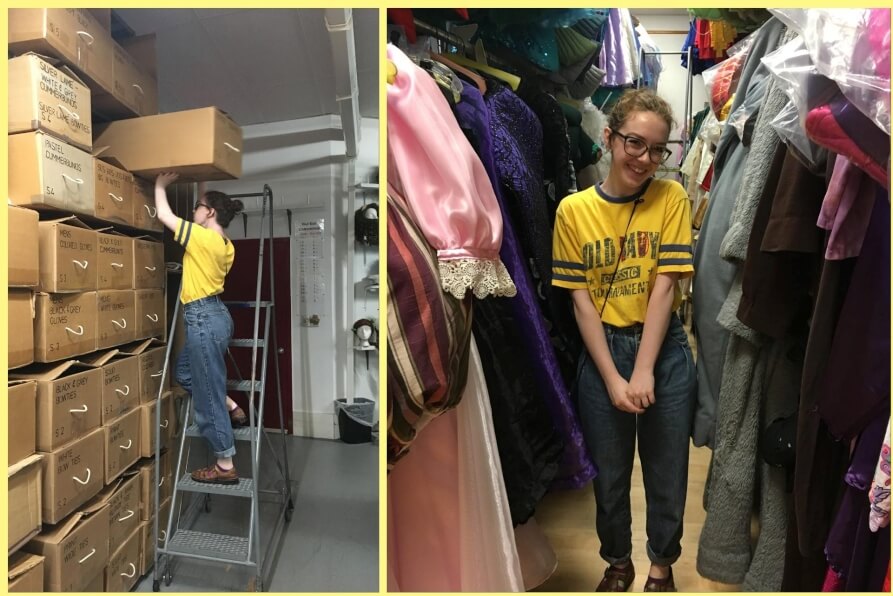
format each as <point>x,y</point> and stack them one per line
<point>636,147</point>
<point>197,205</point>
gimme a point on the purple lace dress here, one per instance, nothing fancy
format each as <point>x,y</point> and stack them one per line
<point>474,117</point>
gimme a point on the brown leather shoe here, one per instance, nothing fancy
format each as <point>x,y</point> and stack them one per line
<point>665,584</point>
<point>216,475</point>
<point>617,579</point>
<point>238,417</point>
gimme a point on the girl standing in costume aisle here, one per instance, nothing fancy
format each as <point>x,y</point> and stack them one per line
<point>201,369</point>
<point>621,247</point>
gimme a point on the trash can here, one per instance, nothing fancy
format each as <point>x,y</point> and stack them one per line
<point>355,420</point>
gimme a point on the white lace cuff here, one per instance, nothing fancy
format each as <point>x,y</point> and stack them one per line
<point>483,276</point>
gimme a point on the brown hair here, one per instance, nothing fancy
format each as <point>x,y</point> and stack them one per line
<point>225,207</point>
<point>640,100</point>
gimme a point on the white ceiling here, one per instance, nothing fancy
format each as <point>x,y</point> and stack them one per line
<point>259,65</point>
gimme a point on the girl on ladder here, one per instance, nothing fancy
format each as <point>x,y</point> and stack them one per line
<point>201,369</point>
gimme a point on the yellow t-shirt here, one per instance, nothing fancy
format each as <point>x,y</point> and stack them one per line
<point>209,257</point>
<point>589,239</point>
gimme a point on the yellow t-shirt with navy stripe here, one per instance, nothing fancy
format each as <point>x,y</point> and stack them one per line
<point>208,258</point>
<point>589,240</point>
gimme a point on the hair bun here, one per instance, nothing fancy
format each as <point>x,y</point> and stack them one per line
<point>237,206</point>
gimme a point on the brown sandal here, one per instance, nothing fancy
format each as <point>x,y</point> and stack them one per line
<point>216,475</point>
<point>664,584</point>
<point>238,417</point>
<point>617,579</point>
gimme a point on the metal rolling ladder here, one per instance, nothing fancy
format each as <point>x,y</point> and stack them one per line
<point>179,539</point>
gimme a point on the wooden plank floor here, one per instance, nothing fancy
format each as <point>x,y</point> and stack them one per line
<point>568,519</point>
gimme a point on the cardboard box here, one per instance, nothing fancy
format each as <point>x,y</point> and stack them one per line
<point>147,549</point>
<point>151,358</point>
<point>165,484</point>
<point>69,401</point>
<point>97,584</point>
<point>150,317</point>
<point>115,318</point>
<point>75,550</point>
<point>122,444</point>
<point>64,325</point>
<point>120,383</point>
<point>147,425</point>
<point>46,173</point>
<point>24,481</point>
<point>135,92</point>
<point>22,244</point>
<point>123,496</point>
<point>114,193</point>
<point>67,256</point>
<point>115,260</point>
<point>70,34</point>
<point>25,572</point>
<point>46,95</point>
<point>142,48</point>
<point>123,570</point>
<point>148,263</point>
<point>20,339</point>
<point>72,475</point>
<point>22,410</point>
<point>145,216</point>
<point>202,144</point>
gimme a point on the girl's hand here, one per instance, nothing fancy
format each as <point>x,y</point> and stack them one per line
<point>641,387</point>
<point>165,179</point>
<point>618,390</point>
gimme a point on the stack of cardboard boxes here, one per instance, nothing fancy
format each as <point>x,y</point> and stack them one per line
<point>86,302</point>
<point>87,296</point>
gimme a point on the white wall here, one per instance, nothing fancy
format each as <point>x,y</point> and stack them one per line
<point>308,173</point>
<point>673,77</point>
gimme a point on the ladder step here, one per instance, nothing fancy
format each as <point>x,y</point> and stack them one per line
<point>246,343</point>
<point>243,385</point>
<point>245,487</point>
<point>250,304</point>
<point>242,433</point>
<point>221,546</point>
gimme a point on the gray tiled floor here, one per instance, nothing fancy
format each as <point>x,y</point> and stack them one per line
<point>331,543</point>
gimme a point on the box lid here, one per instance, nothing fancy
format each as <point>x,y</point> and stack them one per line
<point>21,465</point>
<point>138,347</point>
<point>22,562</point>
<point>101,358</point>
<point>69,220</point>
<point>51,372</point>
<point>58,533</point>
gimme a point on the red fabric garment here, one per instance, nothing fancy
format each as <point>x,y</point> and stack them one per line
<point>887,579</point>
<point>703,40</point>
<point>403,17</point>
<point>833,582</point>
<point>463,12</point>
<point>708,178</point>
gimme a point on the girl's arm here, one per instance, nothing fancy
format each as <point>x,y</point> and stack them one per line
<point>657,318</point>
<point>165,215</point>
<point>593,333</point>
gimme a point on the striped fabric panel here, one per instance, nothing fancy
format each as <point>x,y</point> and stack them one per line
<point>429,334</point>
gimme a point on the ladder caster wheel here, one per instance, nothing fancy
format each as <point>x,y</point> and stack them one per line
<point>258,585</point>
<point>288,513</point>
<point>291,505</point>
<point>156,586</point>
<point>168,578</point>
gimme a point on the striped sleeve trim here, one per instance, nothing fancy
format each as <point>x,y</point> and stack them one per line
<point>668,262</point>
<point>188,233</point>
<point>180,230</point>
<point>675,248</point>
<point>570,278</point>
<point>568,265</point>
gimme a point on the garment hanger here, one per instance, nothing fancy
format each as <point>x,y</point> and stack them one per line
<point>477,79</point>
<point>512,80</point>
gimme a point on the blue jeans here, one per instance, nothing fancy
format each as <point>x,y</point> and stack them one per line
<point>663,432</point>
<point>201,370</point>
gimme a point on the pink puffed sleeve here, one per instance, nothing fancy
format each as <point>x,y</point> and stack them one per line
<point>434,168</point>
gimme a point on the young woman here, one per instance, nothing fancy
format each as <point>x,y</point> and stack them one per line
<point>620,247</point>
<point>201,369</point>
